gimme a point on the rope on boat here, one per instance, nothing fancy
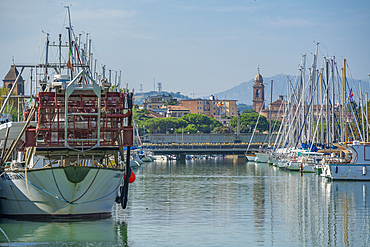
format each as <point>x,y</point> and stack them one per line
<point>5,235</point>
<point>72,203</point>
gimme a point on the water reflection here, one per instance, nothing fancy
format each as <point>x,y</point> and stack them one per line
<point>105,232</point>
<point>223,202</point>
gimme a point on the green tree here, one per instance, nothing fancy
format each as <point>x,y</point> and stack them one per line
<point>171,102</point>
<point>202,122</point>
<point>248,120</point>
<point>12,105</point>
<point>224,129</point>
<point>191,128</point>
<point>163,125</point>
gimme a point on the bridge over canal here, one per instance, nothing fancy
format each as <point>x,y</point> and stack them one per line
<point>181,150</point>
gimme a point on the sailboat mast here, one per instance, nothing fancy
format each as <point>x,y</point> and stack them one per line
<point>321,113</point>
<point>362,111</point>
<point>303,100</point>
<point>345,103</point>
<point>270,113</point>
<point>333,101</point>
<point>327,103</point>
<point>313,88</point>
<point>367,118</point>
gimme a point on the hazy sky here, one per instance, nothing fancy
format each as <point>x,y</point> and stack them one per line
<point>201,47</point>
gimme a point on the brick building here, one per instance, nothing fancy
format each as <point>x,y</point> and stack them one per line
<point>9,80</point>
<point>211,107</point>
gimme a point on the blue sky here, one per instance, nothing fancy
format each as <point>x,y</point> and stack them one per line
<point>201,47</point>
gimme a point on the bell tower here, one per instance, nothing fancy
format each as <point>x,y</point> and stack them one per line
<point>10,78</point>
<point>258,93</point>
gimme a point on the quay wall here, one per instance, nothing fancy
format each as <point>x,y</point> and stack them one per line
<point>207,138</point>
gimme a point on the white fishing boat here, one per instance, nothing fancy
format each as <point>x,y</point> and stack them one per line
<point>354,166</point>
<point>63,160</point>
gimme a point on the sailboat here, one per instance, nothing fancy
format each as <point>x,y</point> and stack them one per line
<point>66,158</point>
<point>353,162</point>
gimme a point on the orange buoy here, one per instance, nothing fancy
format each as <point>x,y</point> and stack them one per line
<point>132,177</point>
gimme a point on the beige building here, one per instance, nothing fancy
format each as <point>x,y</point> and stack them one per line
<point>176,111</point>
<point>211,107</point>
<point>154,103</point>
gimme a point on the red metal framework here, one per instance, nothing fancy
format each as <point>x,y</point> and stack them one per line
<point>83,120</point>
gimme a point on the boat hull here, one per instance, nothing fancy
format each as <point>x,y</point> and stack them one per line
<point>294,166</point>
<point>261,157</point>
<point>346,171</point>
<point>59,191</point>
<point>251,157</point>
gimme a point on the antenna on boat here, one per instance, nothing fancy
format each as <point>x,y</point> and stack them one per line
<point>43,86</point>
<point>69,28</point>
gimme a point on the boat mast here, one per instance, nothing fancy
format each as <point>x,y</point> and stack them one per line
<point>327,103</point>
<point>332,101</point>
<point>60,54</point>
<point>270,114</point>
<point>46,63</point>
<point>303,100</point>
<point>313,83</point>
<point>345,103</point>
<point>362,110</point>
<point>321,103</point>
<point>367,118</point>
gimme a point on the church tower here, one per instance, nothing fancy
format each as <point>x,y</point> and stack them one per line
<point>258,93</point>
<point>9,80</point>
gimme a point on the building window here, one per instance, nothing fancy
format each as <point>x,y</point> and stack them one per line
<point>257,93</point>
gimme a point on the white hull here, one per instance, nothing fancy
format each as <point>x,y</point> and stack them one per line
<point>346,171</point>
<point>294,166</point>
<point>251,157</point>
<point>261,157</point>
<point>358,168</point>
<point>309,168</point>
<point>136,162</point>
<point>51,192</point>
<point>282,164</point>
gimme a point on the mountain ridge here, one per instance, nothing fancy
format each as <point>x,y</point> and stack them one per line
<point>243,92</point>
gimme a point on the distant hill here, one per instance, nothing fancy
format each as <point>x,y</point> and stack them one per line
<point>243,93</point>
<point>140,97</point>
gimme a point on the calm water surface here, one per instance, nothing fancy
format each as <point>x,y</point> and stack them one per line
<point>223,202</point>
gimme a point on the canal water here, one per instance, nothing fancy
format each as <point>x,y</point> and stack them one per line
<point>221,202</point>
